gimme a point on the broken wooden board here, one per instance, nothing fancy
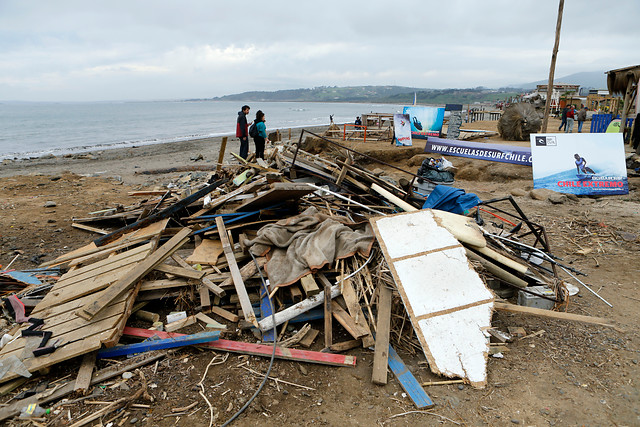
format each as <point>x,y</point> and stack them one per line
<point>257,349</point>
<point>279,192</point>
<point>161,344</point>
<point>207,252</point>
<point>447,302</point>
<point>408,382</point>
<point>90,252</point>
<point>74,336</point>
<point>462,227</point>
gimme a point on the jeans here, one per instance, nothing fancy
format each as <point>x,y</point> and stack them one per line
<point>244,147</point>
<point>563,124</point>
<point>580,123</point>
<point>569,127</point>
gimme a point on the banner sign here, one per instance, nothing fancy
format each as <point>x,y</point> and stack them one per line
<point>479,150</point>
<point>584,164</point>
<point>402,129</point>
<point>425,121</point>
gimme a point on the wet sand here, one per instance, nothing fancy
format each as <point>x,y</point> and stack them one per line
<point>126,164</point>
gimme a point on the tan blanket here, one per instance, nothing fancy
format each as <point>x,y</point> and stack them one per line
<point>307,242</point>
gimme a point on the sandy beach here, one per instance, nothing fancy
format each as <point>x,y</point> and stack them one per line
<point>127,163</point>
<point>561,376</point>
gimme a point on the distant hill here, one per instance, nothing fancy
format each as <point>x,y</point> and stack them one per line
<point>376,94</point>
<point>586,79</point>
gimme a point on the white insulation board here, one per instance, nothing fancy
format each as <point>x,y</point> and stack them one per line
<point>447,301</point>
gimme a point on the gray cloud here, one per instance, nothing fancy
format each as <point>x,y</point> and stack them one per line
<point>79,50</point>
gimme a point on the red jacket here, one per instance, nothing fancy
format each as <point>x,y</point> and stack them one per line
<point>571,113</point>
<point>242,127</point>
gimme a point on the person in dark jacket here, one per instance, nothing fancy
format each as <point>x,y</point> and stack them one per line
<point>581,116</point>
<point>564,119</point>
<point>242,131</point>
<point>261,139</point>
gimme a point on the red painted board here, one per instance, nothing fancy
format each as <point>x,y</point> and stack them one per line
<point>256,349</point>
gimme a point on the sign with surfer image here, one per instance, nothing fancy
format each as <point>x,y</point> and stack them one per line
<point>402,129</point>
<point>581,164</point>
<point>425,121</point>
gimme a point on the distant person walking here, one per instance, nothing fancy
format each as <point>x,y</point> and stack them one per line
<point>261,138</point>
<point>242,131</point>
<point>563,116</point>
<point>581,116</point>
<point>571,114</point>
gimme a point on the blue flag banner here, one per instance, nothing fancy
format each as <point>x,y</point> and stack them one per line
<point>479,150</point>
<point>580,163</point>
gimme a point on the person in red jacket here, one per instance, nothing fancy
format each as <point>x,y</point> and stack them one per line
<point>242,131</point>
<point>571,114</point>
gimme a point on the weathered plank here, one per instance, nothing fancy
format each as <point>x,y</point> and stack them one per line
<point>241,291</point>
<point>408,381</point>
<point>106,296</point>
<point>381,354</point>
<point>258,349</point>
<point>173,342</point>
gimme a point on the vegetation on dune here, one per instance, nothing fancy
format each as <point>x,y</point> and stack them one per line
<point>377,94</point>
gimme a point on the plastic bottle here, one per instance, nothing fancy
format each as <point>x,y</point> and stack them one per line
<point>33,411</point>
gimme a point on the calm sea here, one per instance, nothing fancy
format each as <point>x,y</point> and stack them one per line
<point>35,129</point>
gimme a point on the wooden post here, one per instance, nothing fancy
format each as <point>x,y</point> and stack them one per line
<point>627,103</point>
<point>328,326</point>
<point>381,355</point>
<point>223,148</point>
<point>552,68</point>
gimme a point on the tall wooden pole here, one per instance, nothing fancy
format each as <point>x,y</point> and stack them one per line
<point>552,69</point>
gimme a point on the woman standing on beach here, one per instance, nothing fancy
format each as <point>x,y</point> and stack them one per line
<point>261,139</point>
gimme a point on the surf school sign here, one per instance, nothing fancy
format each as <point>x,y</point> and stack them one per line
<point>425,121</point>
<point>402,129</point>
<point>481,151</point>
<point>582,164</point>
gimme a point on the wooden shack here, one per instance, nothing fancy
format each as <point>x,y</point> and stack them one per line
<point>624,81</point>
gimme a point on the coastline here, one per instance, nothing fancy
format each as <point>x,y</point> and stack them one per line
<point>125,164</point>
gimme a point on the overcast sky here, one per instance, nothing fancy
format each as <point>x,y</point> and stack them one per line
<point>67,50</point>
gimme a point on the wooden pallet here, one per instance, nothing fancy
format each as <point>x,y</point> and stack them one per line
<point>74,290</point>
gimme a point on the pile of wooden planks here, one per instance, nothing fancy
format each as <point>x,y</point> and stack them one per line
<point>192,250</point>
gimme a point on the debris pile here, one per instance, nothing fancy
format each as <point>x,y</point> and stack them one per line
<point>293,239</point>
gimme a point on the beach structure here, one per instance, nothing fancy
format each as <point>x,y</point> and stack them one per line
<point>562,94</point>
<point>624,81</point>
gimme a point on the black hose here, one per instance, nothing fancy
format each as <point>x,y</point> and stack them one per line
<point>273,355</point>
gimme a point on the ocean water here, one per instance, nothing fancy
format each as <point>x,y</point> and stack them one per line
<point>36,129</point>
<point>568,182</point>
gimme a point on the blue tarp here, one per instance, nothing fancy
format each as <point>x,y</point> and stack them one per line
<point>451,199</point>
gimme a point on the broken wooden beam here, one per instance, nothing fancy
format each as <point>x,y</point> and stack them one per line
<point>165,213</point>
<point>257,349</point>
<point>161,344</point>
<point>512,308</point>
<point>408,381</point>
<point>309,285</point>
